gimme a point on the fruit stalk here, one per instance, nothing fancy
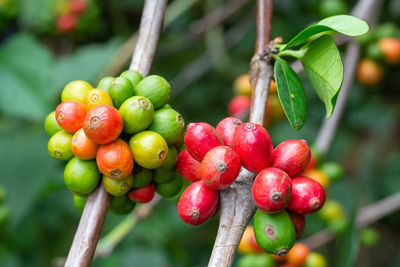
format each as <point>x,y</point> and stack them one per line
<point>236,203</point>
<point>84,244</point>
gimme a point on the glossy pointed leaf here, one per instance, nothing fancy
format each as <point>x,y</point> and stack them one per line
<point>291,93</point>
<point>323,66</point>
<point>344,24</point>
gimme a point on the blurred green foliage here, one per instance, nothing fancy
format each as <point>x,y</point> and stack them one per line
<point>34,67</point>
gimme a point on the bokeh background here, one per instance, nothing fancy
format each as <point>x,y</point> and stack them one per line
<point>38,58</point>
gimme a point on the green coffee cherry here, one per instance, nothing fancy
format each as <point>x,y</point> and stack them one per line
<point>117,188</point>
<point>155,88</point>
<point>59,146</point>
<point>142,177</point>
<point>162,175</point>
<point>256,260</point>
<point>105,83</point>
<point>274,233</point>
<point>167,106</point>
<point>369,237</point>
<point>171,159</point>
<point>387,29</point>
<point>170,188</point>
<point>81,176</point>
<point>121,205</point>
<point>333,170</point>
<point>120,90</point>
<point>80,202</point>
<point>169,124</point>
<point>137,113</point>
<point>331,210</point>
<point>75,91</point>
<point>132,75</point>
<point>329,8</point>
<point>338,225</point>
<point>51,125</point>
<point>315,259</point>
<point>373,51</point>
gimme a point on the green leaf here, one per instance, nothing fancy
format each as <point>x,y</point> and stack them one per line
<point>344,24</point>
<point>323,66</point>
<point>291,93</point>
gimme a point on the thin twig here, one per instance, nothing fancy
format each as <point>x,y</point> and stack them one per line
<point>93,216</point>
<point>121,57</point>
<point>199,27</point>
<point>197,68</point>
<point>216,17</point>
<point>236,203</point>
<point>366,216</point>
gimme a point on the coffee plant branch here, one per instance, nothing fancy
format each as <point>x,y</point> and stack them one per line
<point>84,244</point>
<point>236,203</point>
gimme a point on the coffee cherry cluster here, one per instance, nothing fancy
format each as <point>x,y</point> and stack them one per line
<point>212,160</point>
<point>381,46</point>
<point>106,130</point>
<point>239,106</point>
<point>68,18</point>
<point>253,255</point>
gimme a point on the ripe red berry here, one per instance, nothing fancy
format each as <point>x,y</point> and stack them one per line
<point>308,195</point>
<point>70,115</point>
<point>254,146</point>
<point>200,137</point>
<point>115,159</point>
<point>77,7</point>
<point>188,167</point>
<point>291,156</point>
<point>102,124</point>
<point>143,194</point>
<point>239,106</point>
<point>197,203</point>
<point>226,129</point>
<point>271,190</point>
<point>220,167</point>
<point>66,23</point>
<point>299,222</point>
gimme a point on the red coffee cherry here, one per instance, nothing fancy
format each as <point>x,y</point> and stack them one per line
<point>239,106</point>
<point>197,203</point>
<point>200,137</point>
<point>308,195</point>
<point>66,23</point>
<point>115,159</point>
<point>220,167</point>
<point>254,146</point>
<point>226,129</point>
<point>102,124</point>
<point>77,7</point>
<point>271,190</point>
<point>291,156</point>
<point>70,115</point>
<point>188,167</point>
<point>143,194</point>
<point>299,222</point>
